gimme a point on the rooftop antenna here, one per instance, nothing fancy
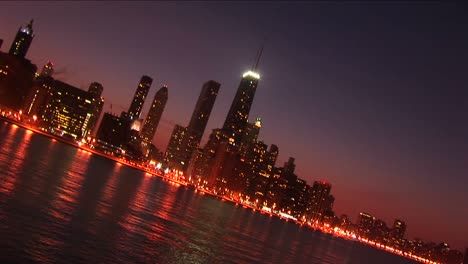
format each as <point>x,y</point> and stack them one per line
<point>259,56</point>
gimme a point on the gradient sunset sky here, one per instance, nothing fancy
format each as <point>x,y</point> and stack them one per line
<point>370,97</point>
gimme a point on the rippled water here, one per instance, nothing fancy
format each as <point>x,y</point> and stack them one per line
<point>59,204</point>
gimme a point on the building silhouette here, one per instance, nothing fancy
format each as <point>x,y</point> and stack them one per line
<point>190,142</point>
<point>200,116</point>
<point>154,115</point>
<point>138,100</point>
<point>22,41</point>
<point>113,132</point>
<point>16,72</point>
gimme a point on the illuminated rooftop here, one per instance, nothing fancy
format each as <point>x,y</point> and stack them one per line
<point>251,74</point>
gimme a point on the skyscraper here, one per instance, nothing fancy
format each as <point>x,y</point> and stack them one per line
<point>154,115</point>
<point>202,112</point>
<point>22,41</point>
<point>321,200</point>
<point>174,147</point>
<point>238,114</point>
<point>141,92</point>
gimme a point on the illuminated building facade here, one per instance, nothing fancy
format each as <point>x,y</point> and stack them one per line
<point>68,111</point>
<point>154,115</point>
<point>22,41</point>
<point>141,92</point>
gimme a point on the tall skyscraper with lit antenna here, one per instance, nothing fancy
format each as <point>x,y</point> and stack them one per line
<point>238,114</point>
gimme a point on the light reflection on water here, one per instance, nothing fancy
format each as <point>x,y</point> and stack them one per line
<point>62,205</point>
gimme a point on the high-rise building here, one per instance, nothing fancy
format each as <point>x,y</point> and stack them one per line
<point>197,125</point>
<point>48,69</point>
<point>95,90</point>
<point>1,43</point>
<point>22,41</point>
<point>365,223</point>
<point>238,114</point>
<point>141,92</point>
<point>399,229</point>
<point>174,147</point>
<point>200,116</point>
<point>202,110</point>
<point>320,200</point>
<point>154,115</point>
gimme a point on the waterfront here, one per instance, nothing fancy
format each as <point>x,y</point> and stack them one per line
<point>64,205</point>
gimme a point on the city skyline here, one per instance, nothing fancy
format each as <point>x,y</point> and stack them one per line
<point>369,146</point>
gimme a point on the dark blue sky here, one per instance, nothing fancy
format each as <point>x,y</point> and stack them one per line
<point>371,97</point>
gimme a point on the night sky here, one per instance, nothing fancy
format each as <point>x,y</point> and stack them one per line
<point>370,97</point>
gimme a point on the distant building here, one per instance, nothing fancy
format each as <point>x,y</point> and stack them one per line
<point>465,260</point>
<point>175,147</point>
<point>365,224</point>
<point>47,70</point>
<point>399,229</point>
<point>289,166</point>
<point>39,96</point>
<point>238,114</point>
<point>321,200</point>
<point>16,72</point>
<point>249,136</point>
<point>95,90</point>
<point>16,81</point>
<point>22,41</point>
<point>68,111</point>
<point>138,100</point>
<point>154,115</point>
<point>224,168</point>
<point>113,131</point>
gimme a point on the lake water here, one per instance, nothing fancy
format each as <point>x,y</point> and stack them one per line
<point>59,204</point>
